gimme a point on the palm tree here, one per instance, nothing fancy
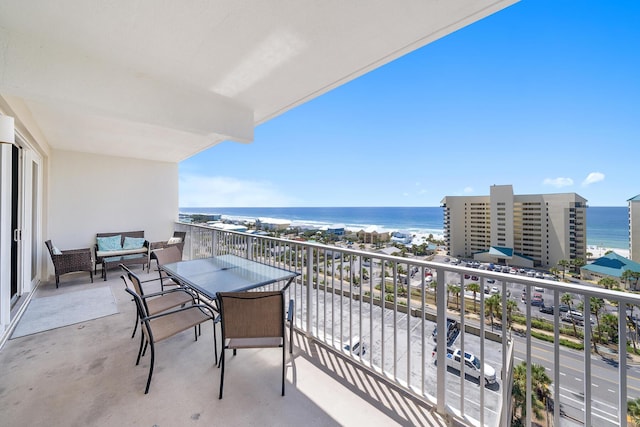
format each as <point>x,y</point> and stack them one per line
<point>455,289</point>
<point>475,288</point>
<point>596,305</point>
<point>512,306</point>
<point>577,263</point>
<point>564,264</point>
<point>566,299</point>
<point>610,326</point>
<point>633,410</point>
<point>540,383</point>
<point>492,305</point>
<point>607,282</point>
<point>629,275</point>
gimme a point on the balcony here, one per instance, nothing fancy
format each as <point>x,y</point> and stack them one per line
<point>85,373</point>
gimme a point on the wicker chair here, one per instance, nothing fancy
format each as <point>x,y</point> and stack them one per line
<point>178,236</point>
<point>70,261</point>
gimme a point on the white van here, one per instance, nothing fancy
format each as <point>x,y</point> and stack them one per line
<point>577,316</point>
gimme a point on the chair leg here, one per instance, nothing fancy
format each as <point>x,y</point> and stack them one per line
<point>142,342</point>
<point>221,373</point>
<point>91,274</point>
<point>215,343</point>
<point>153,354</point>
<point>57,281</point>
<point>283,370</point>
<point>135,327</point>
<point>290,316</point>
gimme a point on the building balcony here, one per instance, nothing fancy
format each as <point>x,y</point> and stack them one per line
<point>85,374</point>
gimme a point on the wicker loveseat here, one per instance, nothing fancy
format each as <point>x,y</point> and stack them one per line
<point>129,244</point>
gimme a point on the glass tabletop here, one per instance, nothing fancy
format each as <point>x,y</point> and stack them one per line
<point>124,257</point>
<point>226,273</point>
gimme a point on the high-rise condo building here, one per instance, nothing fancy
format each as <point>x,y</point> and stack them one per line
<point>634,228</point>
<point>531,230</point>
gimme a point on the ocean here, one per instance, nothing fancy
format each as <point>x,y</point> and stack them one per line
<point>606,226</point>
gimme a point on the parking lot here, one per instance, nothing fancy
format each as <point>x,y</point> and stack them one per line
<point>394,343</point>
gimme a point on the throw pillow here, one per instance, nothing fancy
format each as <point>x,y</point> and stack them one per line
<point>112,243</point>
<point>174,240</point>
<point>133,242</point>
<point>56,251</point>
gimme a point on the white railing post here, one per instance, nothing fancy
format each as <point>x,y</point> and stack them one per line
<point>622,352</point>
<point>249,246</point>
<point>309,256</point>
<point>441,324</point>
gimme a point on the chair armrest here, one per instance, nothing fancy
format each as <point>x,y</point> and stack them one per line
<point>168,291</point>
<point>201,307</point>
<point>290,311</point>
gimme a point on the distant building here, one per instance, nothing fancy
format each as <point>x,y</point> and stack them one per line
<point>634,228</point>
<point>336,229</point>
<point>401,236</point>
<point>373,234</point>
<point>534,230</point>
<point>611,265</point>
<point>272,224</point>
<point>227,227</point>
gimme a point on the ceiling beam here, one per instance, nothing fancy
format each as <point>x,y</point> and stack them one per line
<point>40,70</point>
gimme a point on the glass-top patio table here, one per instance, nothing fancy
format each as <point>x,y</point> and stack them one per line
<point>226,273</point>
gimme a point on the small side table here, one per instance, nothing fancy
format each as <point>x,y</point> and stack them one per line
<point>128,260</point>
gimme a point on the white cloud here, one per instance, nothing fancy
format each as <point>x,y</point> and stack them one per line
<point>467,190</point>
<point>219,191</point>
<point>592,178</point>
<point>558,182</point>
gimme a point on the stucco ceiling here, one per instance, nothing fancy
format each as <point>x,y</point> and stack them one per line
<point>164,80</point>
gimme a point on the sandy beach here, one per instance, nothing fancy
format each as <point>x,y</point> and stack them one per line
<point>599,251</point>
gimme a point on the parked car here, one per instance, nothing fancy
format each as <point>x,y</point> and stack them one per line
<point>494,290</point>
<point>452,331</point>
<point>548,309</point>
<point>537,300</point>
<point>575,315</point>
<point>490,281</point>
<point>472,366</point>
<point>563,308</point>
<point>356,347</point>
<point>474,278</point>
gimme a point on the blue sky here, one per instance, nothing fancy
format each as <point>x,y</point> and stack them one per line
<point>544,95</point>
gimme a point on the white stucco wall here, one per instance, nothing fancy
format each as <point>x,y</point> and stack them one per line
<point>91,194</point>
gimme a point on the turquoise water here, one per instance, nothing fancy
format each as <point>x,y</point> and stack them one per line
<point>606,226</point>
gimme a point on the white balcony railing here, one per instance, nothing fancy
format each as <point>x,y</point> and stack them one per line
<point>338,298</point>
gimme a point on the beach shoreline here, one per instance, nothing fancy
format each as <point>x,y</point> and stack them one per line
<point>599,251</point>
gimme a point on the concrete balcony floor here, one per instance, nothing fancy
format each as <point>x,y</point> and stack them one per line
<point>85,374</point>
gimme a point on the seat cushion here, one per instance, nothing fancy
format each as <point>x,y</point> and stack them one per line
<point>103,254</point>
